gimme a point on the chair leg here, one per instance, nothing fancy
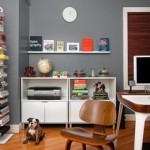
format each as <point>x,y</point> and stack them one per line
<point>83,146</point>
<point>68,145</point>
<point>111,145</point>
<point>100,148</point>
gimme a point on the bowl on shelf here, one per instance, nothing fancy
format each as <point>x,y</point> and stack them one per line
<point>79,74</point>
<point>103,72</point>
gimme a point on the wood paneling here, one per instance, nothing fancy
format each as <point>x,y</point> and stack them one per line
<point>138,37</point>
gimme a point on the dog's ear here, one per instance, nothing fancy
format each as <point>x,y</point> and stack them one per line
<point>37,120</point>
<point>29,119</point>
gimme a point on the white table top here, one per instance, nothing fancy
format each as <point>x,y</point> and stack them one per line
<point>138,99</point>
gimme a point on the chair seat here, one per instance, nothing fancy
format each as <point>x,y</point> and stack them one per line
<point>81,135</point>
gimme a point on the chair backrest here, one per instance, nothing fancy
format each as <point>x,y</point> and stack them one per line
<point>100,112</point>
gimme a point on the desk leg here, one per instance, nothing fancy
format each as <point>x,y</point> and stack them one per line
<point>139,129</point>
<point>118,121</point>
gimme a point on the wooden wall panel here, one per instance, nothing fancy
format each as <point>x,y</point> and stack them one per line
<point>138,37</point>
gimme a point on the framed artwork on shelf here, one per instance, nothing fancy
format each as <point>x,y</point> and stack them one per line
<point>48,45</point>
<point>73,47</point>
<point>60,46</point>
<point>35,43</point>
<point>103,45</point>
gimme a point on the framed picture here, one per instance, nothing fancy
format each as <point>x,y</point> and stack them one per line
<point>103,45</point>
<point>48,45</point>
<point>72,47</point>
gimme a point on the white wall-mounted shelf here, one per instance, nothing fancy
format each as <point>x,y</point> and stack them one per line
<point>66,52</point>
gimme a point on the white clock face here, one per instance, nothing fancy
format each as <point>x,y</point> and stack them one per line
<point>69,14</point>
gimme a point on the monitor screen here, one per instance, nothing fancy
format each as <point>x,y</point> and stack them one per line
<point>141,70</point>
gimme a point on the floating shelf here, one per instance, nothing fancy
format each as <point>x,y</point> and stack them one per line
<point>66,52</point>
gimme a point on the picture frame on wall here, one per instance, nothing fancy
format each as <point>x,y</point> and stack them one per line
<point>73,47</point>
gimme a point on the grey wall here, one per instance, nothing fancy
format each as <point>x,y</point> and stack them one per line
<point>16,33</point>
<point>96,18</point>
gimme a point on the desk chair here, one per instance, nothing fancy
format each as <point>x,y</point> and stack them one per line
<point>100,113</point>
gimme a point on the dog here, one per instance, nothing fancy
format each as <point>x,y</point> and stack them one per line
<point>34,131</point>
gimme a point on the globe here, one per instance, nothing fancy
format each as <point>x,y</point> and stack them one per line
<point>45,66</point>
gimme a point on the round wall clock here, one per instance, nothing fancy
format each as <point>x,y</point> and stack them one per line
<point>69,14</point>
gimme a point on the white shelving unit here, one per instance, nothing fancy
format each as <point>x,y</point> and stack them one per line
<point>4,107</point>
<point>65,110</point>
<point>47,111</point>
<point>75,105</point>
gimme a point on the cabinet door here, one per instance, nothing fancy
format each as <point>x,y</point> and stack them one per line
<point>34,110</point>
<point>56,112</point>
<point>74,111</point>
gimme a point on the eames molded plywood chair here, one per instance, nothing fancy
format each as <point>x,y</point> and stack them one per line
<point>99,113</point>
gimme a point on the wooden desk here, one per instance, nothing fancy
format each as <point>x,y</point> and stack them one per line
<point>139,102</point>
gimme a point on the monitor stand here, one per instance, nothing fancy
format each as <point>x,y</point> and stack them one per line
<point>147,88</point>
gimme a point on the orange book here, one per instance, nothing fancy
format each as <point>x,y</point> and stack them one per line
<point>1,18</point>
<point>87,44</point>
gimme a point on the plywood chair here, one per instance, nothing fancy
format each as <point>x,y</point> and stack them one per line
<point>100,114</point>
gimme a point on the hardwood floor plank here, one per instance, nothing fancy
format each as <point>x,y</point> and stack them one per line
<point>53,140</point>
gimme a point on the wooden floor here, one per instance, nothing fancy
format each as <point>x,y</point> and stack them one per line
<point>53,140</point>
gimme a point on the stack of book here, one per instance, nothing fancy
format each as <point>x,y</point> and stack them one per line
<point>4,107</point>
<point>80,91</point>
<point>100,96</point>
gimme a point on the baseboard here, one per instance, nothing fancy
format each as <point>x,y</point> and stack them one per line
<point>131,117</point>
<point>15,128</point>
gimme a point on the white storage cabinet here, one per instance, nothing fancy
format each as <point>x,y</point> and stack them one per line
<point>47,111</point>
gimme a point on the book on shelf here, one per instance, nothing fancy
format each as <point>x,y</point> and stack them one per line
<point>3,105</point>
<point>4,111</point>
<point>80,81</point>
<point>79,84</point>
<point>2,37</point>
<point>3,83</point>
<point>3,74</point>
<point>79,97</point>
<point>5,119</point>
<point>1,18</point>
<point>79,92</point>
<point>3,101</point>
<point>60,46</point>
<point>1,26</point>
<point>103,45</point>
<point>2,47</point>
<point>87,44</point>
<point>1,11</point>
<point>48,45</point>
<point>100,96</point>
<point>3,130</point>
<point>3,57</point>
<point>4,93</point>
<point>3,66</point>
<point>36,43</point>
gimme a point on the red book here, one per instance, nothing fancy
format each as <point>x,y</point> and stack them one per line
<point>2,37</point>
<point>87,44</point>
